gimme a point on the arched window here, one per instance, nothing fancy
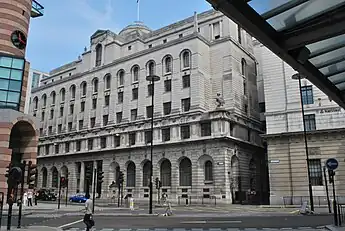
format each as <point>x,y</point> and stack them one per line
<point>121,76</point>
<point>44,177</point>
<point>186,59</point>
<point>98,55</point>
<point>146,174</point>
<point>83,89</point>
<point>44,98</point>
<point>135,72</point>
<point>151,68</point>
<point>55,178</point>
<point>62,94</point>
<point>243,67</point>
<point>95,85</point>
<point>72,90</point>
<point>208,171</point>
<point>107,81</point>
<point>131,174</point>
<point>35,103</point>
<point>166,173</point>
<point>53,96</point>
<point>168,64</point>
<point>185,172</point>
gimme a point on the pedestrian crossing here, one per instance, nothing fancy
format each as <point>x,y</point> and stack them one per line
<point>208,229</point>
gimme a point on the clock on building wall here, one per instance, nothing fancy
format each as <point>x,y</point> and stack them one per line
<point>18,39</point>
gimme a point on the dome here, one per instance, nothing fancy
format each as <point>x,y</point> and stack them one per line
<point>136,27</point>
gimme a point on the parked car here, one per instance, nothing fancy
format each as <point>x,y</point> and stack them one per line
<point>80,198</point>
<point>46,195</point>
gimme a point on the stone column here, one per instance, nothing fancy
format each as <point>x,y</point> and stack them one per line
<point>82,178</point>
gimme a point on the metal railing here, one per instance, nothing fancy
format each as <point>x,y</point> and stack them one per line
<point>341,214</point>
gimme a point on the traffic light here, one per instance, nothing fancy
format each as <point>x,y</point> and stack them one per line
<point>100,176</point>
<point>121,179</point>
<point>157,183</point>
<point>160,184</point>
<point>63,182</point>
<point>31,178</point>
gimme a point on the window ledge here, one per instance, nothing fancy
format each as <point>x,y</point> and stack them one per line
<point>208,181</point>
<point>167,73</point>
<point>185,68</point>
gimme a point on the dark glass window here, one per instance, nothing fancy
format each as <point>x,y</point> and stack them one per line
<point>307,95</point>
<point>315,172</point>
<point>186,81</point>
<point>167,85</point>
<point>165,134</point>
<point>310,124</point>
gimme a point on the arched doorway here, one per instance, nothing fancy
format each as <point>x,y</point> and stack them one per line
<point>166,173</point>
<point>185,172</point>
<point>130,174</point>
<point>44,174</point>
<point>22,138</point>
<point>55,177</point>
<point>146,173</point>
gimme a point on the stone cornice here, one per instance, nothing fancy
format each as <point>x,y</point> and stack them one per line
<point>306,109</point>
<point>299,133</point>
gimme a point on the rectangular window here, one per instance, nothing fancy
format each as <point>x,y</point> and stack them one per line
<point>47,149</point>
<point>78,145</point>
<point>59,128</point>
<point>239,34</point>
<point>132,137</point>
<point>185,104</point>
<point>185,132</point>
<point>315,172</point>
<point>82,106</point>
<point>134,93</point>
<point>51,114</point>
<point>105,120</point>
<point>92,122</point>
<point>148,137</point>
<point>118,117</point>
<point>216,30</point>
<point>81,124</point>
<point>307,95</point>
<point>67,147</point>
<point>41,131</point>
<point>167,85</point>
<point>310,124</point>
<point>149,112</point>
<point>129,48</point>
<point>42,116</point>
<point>165,41</point>
<point>70,126</point>
<point>106,100</point>
<point>71,109</point>
<point>103,142</point>
<point>150,45</point>
<point>120,97</point>
<point>165,134</point>
<point>205,128</point>
<point>50,130</point>
<point>180,35</point>
<point>61,111</point>
<point>94,103</point>
<point>57,149</point>
<point>117,140</point>
<point>262,107</point>
<point>90,144</point>
<point>246,108</point>
<point>186,81</point>
<point>167,108</point>
<point>150,89</point>
<point>134,114</point>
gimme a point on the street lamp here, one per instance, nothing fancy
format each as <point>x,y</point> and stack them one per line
<point>299,76</point>
<point>152,79</point>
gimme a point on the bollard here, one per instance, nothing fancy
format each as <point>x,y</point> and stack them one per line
<point>131,203</point>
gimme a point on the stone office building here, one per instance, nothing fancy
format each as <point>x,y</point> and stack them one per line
<point>325,127</point>
<point>95,112</point>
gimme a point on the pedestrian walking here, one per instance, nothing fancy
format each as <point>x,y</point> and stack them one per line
<point>36,197</point>
<point>88,219</point>
<point>25,199</point>
<point>30,195</point>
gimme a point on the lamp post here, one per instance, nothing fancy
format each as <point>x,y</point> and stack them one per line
<point>152,79</point>
<point>298,76</point>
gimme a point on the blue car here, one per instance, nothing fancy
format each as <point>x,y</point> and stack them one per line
<point>79,198</point>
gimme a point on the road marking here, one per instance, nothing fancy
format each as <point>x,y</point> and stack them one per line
<point>223,222</point>
<point>193,222</point>
<point>69,224</point>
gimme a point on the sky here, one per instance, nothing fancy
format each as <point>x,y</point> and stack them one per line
<point>62,33</point>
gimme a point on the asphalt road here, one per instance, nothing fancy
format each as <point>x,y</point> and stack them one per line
<point>193,222</point>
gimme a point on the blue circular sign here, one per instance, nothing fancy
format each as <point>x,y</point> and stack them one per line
<point>332,164</point>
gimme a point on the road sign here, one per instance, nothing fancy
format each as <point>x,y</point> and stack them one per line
<point>332,164</point>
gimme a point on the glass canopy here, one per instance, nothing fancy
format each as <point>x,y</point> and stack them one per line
<point>37,10</point>
<point>308,34</point>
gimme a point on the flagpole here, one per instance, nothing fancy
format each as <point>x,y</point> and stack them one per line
<point>138,7</point>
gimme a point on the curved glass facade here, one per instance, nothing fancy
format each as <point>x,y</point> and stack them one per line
<point>11,79</point>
